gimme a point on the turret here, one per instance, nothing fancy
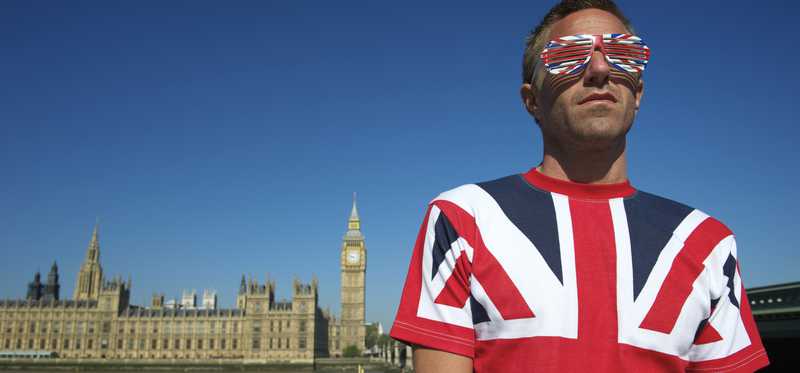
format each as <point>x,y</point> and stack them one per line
<point>53,289</point>
<point>35,287</point>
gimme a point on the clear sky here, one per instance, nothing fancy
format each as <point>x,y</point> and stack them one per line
<point>216,139</point>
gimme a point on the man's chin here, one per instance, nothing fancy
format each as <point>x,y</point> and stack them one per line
<point>598,133</point>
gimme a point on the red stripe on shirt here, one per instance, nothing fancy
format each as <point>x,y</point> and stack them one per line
<point>485,267</point>
<point>686,266</point>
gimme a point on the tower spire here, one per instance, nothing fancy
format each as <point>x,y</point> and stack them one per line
<point>354,211</point>
<point>354,222</point>
<point>90,276</point>
<point>93,251</point>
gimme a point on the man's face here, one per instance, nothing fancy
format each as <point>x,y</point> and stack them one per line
<point>594,108</point>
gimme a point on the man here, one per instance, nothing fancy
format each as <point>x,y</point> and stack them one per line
<point>567,267</point>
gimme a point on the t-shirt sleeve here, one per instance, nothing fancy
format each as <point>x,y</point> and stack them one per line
<point>434,310</point>
<point>728,340</point>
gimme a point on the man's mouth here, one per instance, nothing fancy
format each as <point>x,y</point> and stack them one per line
<point>605,96</point>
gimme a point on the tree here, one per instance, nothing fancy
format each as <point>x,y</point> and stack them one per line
<point>372,335</point>
<point>384,342</point>
<point>351,351</point>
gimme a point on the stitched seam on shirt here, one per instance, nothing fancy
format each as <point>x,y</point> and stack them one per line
<point>433,334</point>
<point>737,364</point>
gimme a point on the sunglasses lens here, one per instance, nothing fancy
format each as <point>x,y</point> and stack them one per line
<point>626,52</point>
<point>566,55</point>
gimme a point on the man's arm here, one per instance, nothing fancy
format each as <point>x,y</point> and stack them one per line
<point>434,361</point>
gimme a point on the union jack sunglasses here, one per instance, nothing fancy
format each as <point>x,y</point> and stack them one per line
<point>571,54</point>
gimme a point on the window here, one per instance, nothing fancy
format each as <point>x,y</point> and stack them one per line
<point>224,324</point>
<point>270,344</point>
<point>30,344</point>
<point>222,344</point>
<point>66,344</point>
<point>167,327</point>
<point>212,325</point>
<point>301,343</point>
<point>90,343</point>
<point>165,344</point>
<point>279,325</point>
<point>153,344</point>
<point>130,344</point>
<point>287,343</point>
<point>280,344</point>
<point>177,344</point>
<point>256,326</point>
<point>271,326</point>
<point>302,326</point>
<point>79,327</point>
<point>256,344</point>
<point>78,344</point>
<point>54,344</point>
<point>188,344</point>
<point>155,327</point>
<point>91,327</point>
<point>235,344</point>
<point>235,327</point>
<point>199,344</point>
<point>141,344</point>
<point>33,327</point>
<point>19,344</point>
<point>106,326</point>
<point>104,343</point>
<point>41,344</point>
<point>7,344</point>
<point>119,344</point>
<point>44,327</point>
<point>56,326</point>
<point>211,343</point>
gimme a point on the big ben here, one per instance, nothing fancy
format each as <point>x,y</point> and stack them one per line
<point>354,268</point>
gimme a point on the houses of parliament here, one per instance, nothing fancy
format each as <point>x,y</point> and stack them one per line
<point>100,323</point>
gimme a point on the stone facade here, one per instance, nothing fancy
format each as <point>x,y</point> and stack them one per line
<point>100,323</point>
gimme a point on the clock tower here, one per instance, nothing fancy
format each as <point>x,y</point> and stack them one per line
<point>354,268</point>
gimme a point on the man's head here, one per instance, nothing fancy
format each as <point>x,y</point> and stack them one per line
<point>593,108</point>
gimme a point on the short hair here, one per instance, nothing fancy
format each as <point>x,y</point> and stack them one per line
<point>537,38</point>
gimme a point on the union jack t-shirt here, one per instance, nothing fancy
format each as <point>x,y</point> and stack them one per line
<point>530,273</point>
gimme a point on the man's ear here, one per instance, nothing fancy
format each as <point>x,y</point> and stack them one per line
<point>526,93</point>
<point>638,95</point>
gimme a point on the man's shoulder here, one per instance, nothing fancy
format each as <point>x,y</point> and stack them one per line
<point>475,195</point>
<point>659,210</point>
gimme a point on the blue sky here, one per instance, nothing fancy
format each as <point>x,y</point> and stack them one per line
<point>216,139</point>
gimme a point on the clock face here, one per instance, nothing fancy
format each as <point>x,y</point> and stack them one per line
<point>352,256</point>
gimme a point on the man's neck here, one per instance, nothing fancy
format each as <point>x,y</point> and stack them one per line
<point>596,166</point>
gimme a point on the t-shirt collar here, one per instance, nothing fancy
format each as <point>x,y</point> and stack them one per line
<point>578,190</point>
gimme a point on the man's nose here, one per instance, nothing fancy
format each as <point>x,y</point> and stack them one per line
<point>597,71</point>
